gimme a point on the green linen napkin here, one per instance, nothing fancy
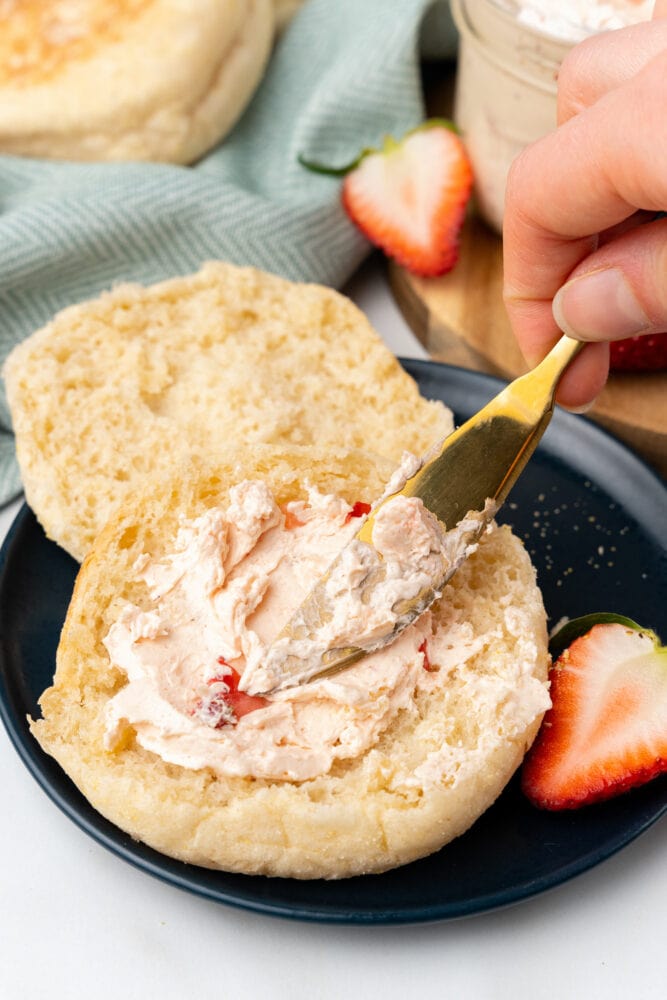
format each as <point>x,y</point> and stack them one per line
<point>345,73</point>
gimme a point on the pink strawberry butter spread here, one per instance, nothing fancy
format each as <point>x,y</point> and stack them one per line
<point>235,577</point>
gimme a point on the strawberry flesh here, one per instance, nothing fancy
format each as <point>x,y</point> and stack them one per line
<point>607,729</point>
<point>215,711</point>
<point>424,650</point>
<point>292,521</point>
<point>240,702</point>
<point>359,509</point>
<point>410,198</point>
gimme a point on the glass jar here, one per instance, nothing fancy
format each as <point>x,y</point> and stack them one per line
<point>506,80</point>
<point>505,93</point>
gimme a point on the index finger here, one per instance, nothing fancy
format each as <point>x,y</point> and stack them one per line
<point>591,174</point>
<point>605,61</point>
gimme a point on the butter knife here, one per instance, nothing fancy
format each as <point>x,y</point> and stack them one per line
<point>463,484</point>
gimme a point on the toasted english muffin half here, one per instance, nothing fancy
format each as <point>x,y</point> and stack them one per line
<point>127,79</point>
<point>116,390</point>
<point>443,757</point>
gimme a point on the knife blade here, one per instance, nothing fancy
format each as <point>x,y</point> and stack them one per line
<point>463,484</point>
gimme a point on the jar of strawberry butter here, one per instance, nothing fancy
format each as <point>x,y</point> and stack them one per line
<point>509,55</point>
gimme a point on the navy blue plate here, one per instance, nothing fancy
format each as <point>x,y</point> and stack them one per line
<point>592,516</point>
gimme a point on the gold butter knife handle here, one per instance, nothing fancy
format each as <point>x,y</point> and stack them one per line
<point>539,385</point>
<point>483,458</point>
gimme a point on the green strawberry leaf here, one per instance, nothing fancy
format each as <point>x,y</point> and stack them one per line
<point>323,168</point>
<point>388,144</point>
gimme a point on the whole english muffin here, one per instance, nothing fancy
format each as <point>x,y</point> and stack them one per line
<point>464,701</point>
<point>127,79</point>
<point>118,389</point>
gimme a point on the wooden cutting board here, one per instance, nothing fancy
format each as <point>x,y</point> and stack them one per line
<point>460,319</point>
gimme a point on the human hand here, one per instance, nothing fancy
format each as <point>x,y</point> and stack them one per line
<point>580,253</point>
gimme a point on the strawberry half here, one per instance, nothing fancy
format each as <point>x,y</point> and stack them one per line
<point>410,197</point>
<point>639,354</point>
<point>607,729</point>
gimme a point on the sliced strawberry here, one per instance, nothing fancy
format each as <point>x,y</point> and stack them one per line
<point>576,627</point>
<point>639,354</point>
<point>410,197</point>
<point>607,729</point>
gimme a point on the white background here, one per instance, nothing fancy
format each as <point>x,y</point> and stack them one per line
<point>77,922</point>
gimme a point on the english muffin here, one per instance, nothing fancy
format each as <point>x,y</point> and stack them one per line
<point>380,765</point>
<point>127,79</point>
<point>116,390</point>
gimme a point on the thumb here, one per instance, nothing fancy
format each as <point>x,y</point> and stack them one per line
<point>618,291</point>
<point>660,9</point>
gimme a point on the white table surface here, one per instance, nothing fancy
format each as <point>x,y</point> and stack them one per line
<point>77,922</point>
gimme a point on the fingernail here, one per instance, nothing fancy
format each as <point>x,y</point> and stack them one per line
<point>579,410</point>
<point>599,306</point>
